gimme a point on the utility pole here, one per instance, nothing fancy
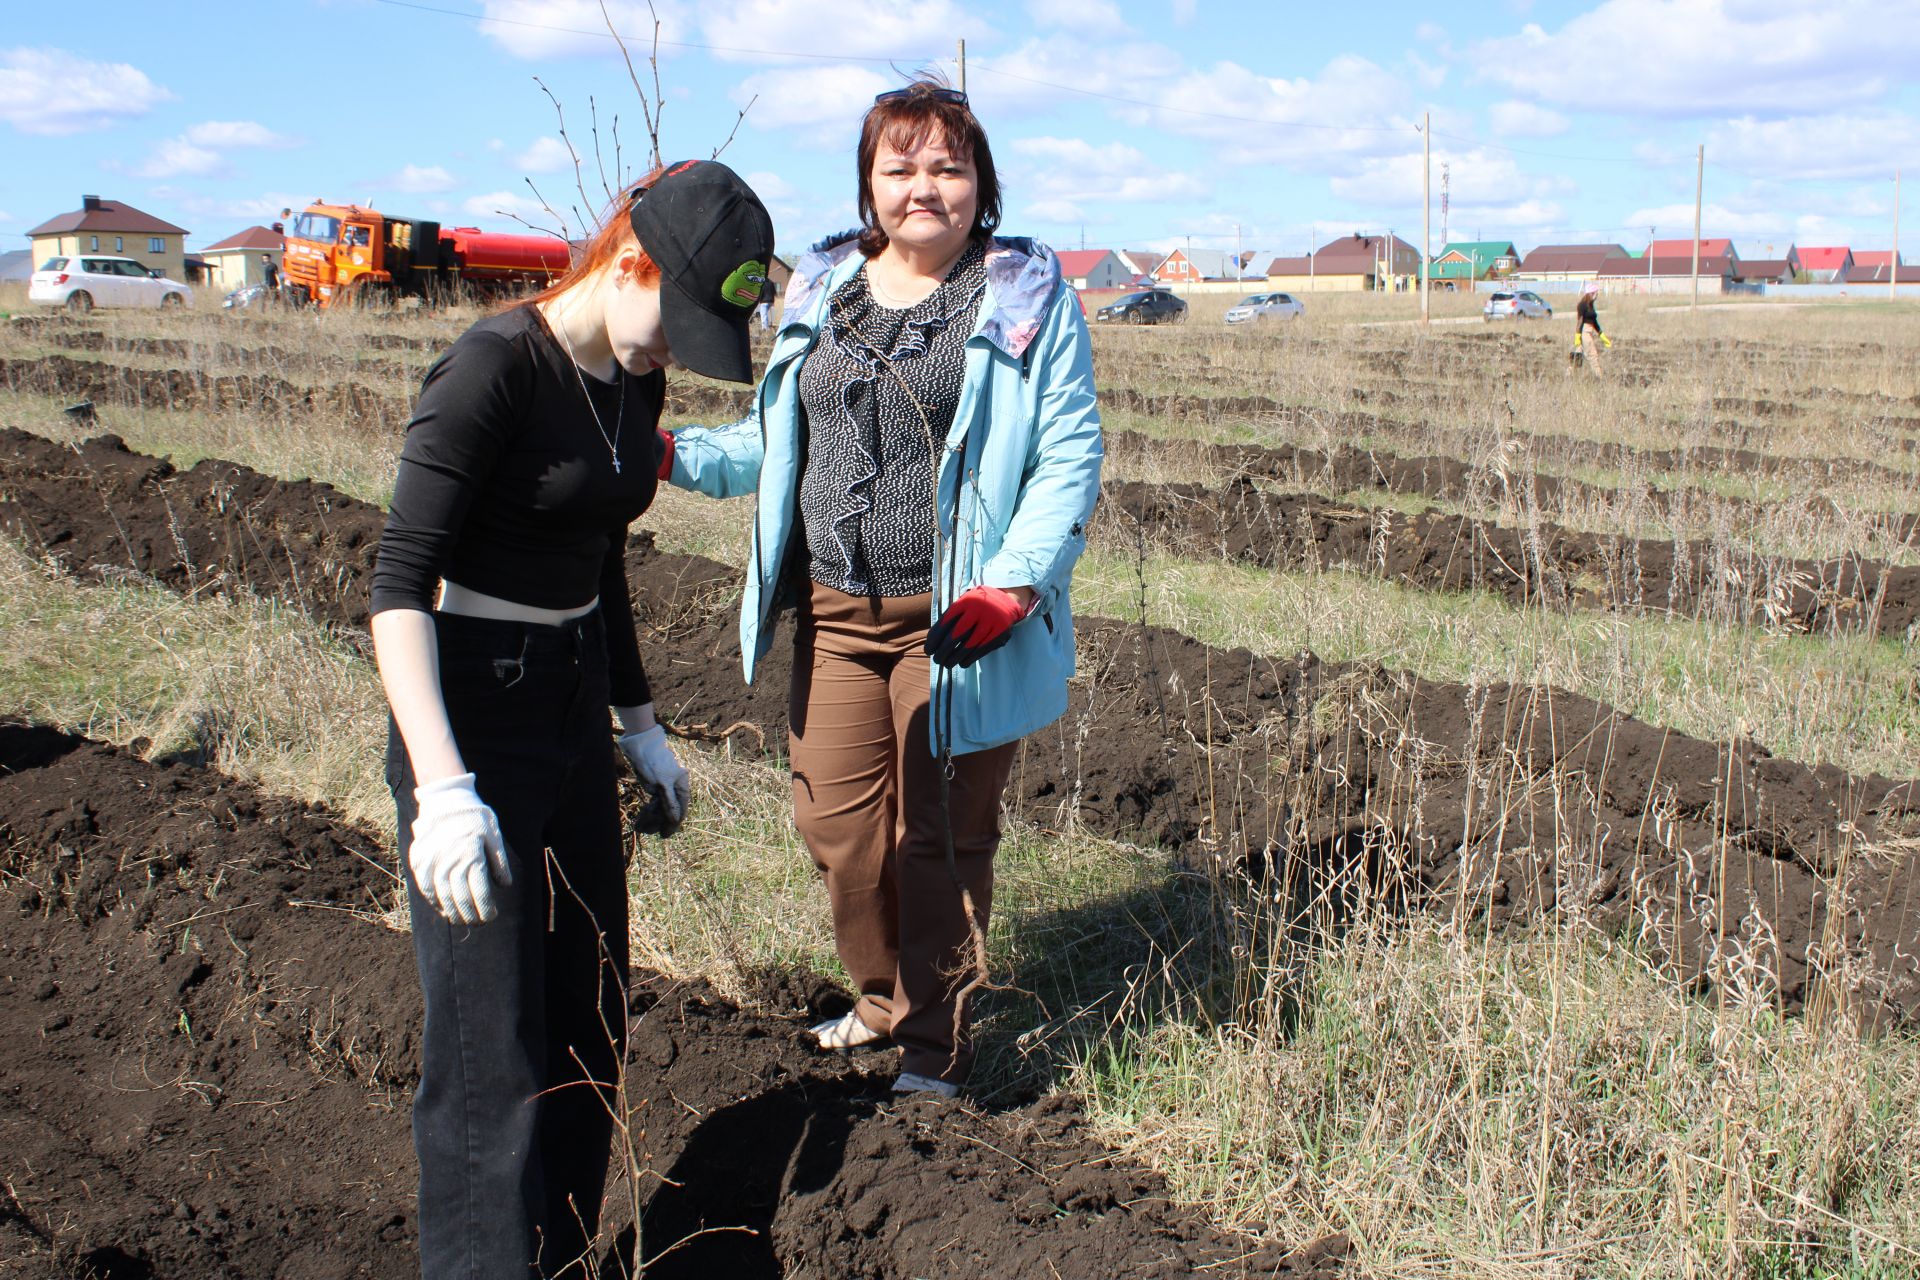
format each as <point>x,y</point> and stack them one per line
<point>1312,287</point>
<point>1699,188</point>
<point>1426,216</point>
<point>1239,268</point>
<point>1651,232</point>
<point>1446,191</point>
<point>963,66</point>
<point>1893,267</point>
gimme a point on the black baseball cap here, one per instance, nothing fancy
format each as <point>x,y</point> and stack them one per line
<point>713,242</point>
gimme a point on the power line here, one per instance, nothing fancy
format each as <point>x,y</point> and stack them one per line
<point>647,39</point>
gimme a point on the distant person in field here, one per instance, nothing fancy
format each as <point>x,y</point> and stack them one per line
<point>1587,337</point>
<point>269,274</point>
<point>504,632</point>
<point>926,450</point>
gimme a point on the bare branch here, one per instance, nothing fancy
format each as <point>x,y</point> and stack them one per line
<point>579,178</point>
<point>599,157</point>
<point>736,126</point>
<point>650,108</point>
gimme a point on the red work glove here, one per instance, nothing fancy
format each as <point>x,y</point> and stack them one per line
<point>666,454</point>
<point>973,626</point>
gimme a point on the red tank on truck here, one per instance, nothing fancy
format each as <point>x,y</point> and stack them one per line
<point>352,253</point>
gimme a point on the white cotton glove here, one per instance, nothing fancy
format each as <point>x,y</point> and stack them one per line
<point>456,839</point>
<point>652,759</point>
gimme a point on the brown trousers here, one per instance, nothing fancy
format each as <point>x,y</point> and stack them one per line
<point>866,797</point>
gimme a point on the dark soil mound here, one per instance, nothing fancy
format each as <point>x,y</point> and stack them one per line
<point>210,1055</point>
<point>1205,751</point>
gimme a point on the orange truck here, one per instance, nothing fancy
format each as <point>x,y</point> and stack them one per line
<point>349,253</point>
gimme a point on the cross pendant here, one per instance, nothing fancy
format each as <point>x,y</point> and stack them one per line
<point>616,464</point>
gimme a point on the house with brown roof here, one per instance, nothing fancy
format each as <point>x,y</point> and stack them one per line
<point>234,263</point>
<point>112,227</point>
<point>1763,271</point>
<point>1877,267</point>
<point>1566,261</point>
<point>1670,273</point>
<point>1349,264</point>
<point>1141,262</point>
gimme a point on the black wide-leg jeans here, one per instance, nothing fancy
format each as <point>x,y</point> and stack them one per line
<point>526,1014</point>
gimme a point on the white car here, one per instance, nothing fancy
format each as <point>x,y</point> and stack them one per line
<point>85,281</point>
<point>1265,306</point>
<point>1521,304</point>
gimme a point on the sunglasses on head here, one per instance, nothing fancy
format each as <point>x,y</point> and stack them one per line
<point>954,96</point>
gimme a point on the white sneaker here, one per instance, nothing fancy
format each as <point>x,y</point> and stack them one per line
<point>912,1082</point>
<point>846,1033</point>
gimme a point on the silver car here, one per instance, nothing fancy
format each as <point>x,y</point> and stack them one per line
<point>1265,306</point>
<point>1520,304</point>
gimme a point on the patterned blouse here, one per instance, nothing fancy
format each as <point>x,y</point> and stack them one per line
<point>867,485</point>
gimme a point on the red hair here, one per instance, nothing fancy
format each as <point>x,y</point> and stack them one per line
<point>614,237</point>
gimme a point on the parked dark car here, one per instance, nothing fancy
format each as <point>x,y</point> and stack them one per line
<point>1149,306</point>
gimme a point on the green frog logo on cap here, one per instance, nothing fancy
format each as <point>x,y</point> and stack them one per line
<point>743,284</point>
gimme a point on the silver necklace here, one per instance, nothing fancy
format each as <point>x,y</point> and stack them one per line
<point>620,418</point>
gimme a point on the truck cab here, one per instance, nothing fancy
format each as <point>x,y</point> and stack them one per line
<point>346,251</point>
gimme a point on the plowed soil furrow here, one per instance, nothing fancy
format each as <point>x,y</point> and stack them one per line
<point>1204,751</point>
<point>110,384</point>
<point>210,1058</point>
<point>1543,563</point>
<point>1347,469</point>
<point>1565,451</point>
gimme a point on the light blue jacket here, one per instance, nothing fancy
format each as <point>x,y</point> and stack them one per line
<point>1017,482</point>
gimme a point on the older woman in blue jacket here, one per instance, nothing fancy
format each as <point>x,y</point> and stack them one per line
<point>926,450</point>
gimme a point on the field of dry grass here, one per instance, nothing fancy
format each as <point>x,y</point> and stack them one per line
<point>1554,1100</point>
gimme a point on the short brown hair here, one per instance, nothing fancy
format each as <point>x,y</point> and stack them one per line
<point>908,121</point>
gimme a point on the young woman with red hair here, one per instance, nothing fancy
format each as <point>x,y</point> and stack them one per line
<point>503,631</point>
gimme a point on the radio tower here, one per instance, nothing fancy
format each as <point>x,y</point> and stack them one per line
<point>1445,172</point>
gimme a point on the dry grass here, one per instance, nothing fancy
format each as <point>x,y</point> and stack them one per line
<point>1540,1105</point>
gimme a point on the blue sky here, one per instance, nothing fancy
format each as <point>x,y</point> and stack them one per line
<point>1131,123</point>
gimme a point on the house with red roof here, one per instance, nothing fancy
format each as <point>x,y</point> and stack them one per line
<point>1094,269</point>
<point>1721,248</point>
<point>1349,264</point>
<point>235,262</point>
<point>1876,258</point>
<point>1141,262</point>
<point>1878,267</point>
<point>1826,264</point>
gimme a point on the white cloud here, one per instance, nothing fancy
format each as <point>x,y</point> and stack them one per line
<point>51,91</point>
<point>912,34</point>
<point>1056,211</point>
<point>544,29</point>
<point>414,179</point>
<point>823,102</point>
<point>510,207</point>
<point>1682,57</point>
<point>178,158</point>
<point>1718,219</point>
<point>1870,144</point>
<point>1071,173</point>
<point>1076,15</point>
<point>1183,12</point>
<point>203,150</point>
<point>770,186</point>
<point>1329,123</point>
<point>1525,120</point>
<point>545,155</point>
<point>235,133</point>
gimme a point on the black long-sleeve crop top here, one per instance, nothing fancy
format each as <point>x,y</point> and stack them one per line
<point>507,485</point>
